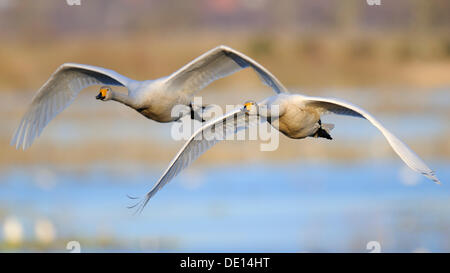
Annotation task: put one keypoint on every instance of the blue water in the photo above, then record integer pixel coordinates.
(262, 207)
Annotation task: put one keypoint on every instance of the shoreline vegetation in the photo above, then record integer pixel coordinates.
(386, 69)
(310, 61)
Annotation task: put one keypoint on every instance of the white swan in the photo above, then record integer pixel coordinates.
(297, 117)
(152, 98)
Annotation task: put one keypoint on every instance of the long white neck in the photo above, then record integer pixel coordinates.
(122, 98)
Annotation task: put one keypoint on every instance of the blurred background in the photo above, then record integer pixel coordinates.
(308, 195)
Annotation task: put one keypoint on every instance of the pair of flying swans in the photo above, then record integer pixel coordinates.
(298, 116)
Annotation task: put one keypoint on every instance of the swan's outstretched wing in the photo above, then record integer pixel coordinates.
(215, 64)
(345, 108)
(203, 139)
(58, 93)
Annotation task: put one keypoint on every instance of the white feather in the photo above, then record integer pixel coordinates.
(403, 151)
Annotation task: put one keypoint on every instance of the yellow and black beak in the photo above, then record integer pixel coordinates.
(247, 106)
(102, 94)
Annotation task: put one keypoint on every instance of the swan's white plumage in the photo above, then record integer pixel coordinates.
(215, 64)
(57, 93)
(341, 107)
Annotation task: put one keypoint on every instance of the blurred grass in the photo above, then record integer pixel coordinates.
(297, 60)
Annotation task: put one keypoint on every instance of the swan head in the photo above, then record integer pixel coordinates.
(104, 94)
(251, 107)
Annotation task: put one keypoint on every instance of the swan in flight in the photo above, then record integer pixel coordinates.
(297, 116)
(152, 98)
